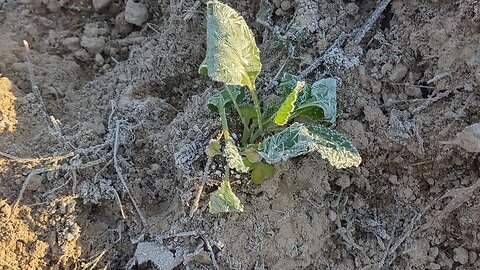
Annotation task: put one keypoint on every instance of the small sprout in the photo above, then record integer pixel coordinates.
(213, 148)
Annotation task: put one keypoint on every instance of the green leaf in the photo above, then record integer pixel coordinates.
(324, 96)
(261, 172)
(252, 156)
(317, 101)
(232, 54)
(213, 148)
(234, 159)
(248, 112)
(283, 114)
(298, 139)
(224, 200)
(223, 99)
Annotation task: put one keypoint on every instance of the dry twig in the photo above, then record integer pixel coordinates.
(118, 170)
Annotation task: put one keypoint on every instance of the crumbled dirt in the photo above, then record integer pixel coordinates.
(103, 99)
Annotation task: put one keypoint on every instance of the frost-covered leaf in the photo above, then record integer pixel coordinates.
(264, 15)
(234, 159)
(232, 54)
(261, 172)
(288, 105)
(317, 101)
(224, 99)
(324, 96)
(468, 139)
(298, 139)
(224, 200)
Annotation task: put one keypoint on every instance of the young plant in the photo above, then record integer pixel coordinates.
(268, 137)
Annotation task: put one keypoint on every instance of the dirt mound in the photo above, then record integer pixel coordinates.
(103, 126)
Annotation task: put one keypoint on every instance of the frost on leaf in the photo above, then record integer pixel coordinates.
(232, 55)
(225, 98)
(317, 101)
(284, 113)
(234, 159)
(224, 200)
(298, 139)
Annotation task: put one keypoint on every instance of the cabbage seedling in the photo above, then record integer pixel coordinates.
(268, 137)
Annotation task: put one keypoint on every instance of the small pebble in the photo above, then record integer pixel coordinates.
(461, 255)
(393, 179)
(35, 182)
(332, 216)
(101, 5)
(280, 12)
(237, 176)
(351, 9)
(286, 5)
(343, 181)
(472, 257)
(93, 45)
(71, 43)
(135, 13)
(99, 59)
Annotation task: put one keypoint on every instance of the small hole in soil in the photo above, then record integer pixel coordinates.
(426, 92)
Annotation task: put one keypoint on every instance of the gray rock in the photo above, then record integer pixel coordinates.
(101, 5)
(82, 55)
(93, 45)
(136, 13)
(99, 59)
(71, 43)
(398, 72)
(461, 255)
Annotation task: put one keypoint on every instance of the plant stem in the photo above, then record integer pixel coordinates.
(256, 104)
(246, 130)
(223, 117)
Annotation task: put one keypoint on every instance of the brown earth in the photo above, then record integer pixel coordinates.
(97, 99)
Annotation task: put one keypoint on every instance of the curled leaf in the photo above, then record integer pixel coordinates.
(317, 101)
(224, 200)
(288, 105)
(298, 139)
(232, 55)
(234, 159)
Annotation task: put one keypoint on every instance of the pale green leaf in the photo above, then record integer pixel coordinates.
(288, 105)
(224, 200)
(213, 148)
(232, 54)
(262, 172)
(299, 139)
(234, 159)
